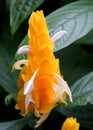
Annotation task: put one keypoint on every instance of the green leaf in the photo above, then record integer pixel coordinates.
(17, 124)
(82, 90)
(20, 10)
(7, 81)
(9, 97)
(88, 39)
(75, 18)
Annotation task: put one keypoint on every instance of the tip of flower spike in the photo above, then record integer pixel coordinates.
(58, 35)
(24, 49)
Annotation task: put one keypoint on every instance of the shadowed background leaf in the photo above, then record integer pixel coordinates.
(7, 80)
(20, 10)
(82, 90)
(18, 124)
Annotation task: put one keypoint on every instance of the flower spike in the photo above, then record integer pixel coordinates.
(40, 83)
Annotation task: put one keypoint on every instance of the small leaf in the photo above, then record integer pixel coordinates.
(20, 10)
(9, 97)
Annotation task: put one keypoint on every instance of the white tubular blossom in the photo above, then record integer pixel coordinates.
(24, 49)
(28, 86)
(63, 86)
(58, 35)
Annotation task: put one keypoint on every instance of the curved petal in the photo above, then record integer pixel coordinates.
(24, 49)
(17, 65)
(58, 35)
(58, 92)
(63, 85)
(28, 99)
(28, 86)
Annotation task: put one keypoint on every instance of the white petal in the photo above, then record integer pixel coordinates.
(58, 35)
(63, 85)
(17, 65)
(24, 49)
(28, 86)
(42, 119)
(58, 92)
(56, 88)
(28, 99)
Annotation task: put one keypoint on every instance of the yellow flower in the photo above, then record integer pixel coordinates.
(70, 124)
(40, 83)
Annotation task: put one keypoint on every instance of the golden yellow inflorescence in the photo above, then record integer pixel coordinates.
(40, 83)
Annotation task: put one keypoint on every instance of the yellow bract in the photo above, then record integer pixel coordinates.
(70, 124)
(42, 57)
(40, 84)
